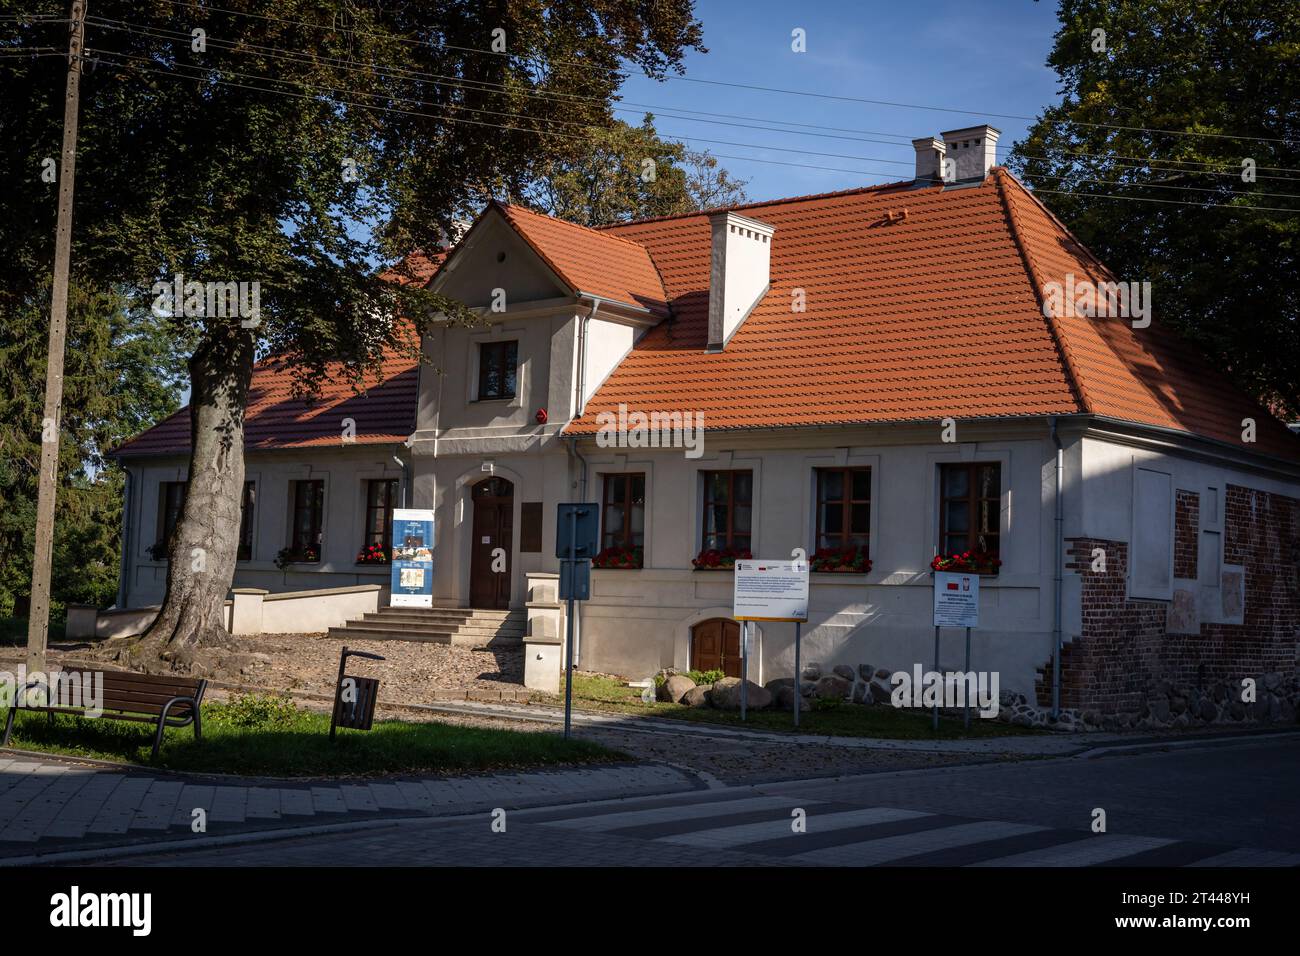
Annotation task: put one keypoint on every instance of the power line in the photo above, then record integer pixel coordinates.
(745, 86)
(175, 76)
(488, 86)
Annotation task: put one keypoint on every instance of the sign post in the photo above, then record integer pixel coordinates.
(956, 604)
(411, 581)
(769, 591)
(575, 546)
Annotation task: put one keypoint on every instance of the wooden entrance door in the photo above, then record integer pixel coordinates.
(493, 528)
(715, 646)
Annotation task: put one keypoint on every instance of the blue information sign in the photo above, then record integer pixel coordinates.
(412, 560)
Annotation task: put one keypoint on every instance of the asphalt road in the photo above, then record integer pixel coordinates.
(1185, 806)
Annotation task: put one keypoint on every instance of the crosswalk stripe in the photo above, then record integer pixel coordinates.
(738, 836)
(874, 852)
(1245, 856)
(616, 821)
(1100, 849)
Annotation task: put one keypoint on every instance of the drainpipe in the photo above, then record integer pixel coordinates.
(1058, 543)
(406, 477)
(122, 570)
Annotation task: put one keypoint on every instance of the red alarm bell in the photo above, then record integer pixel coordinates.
(541, 416)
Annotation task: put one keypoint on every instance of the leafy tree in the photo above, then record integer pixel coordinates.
(256, 151)
(1185, 96)
(628, 172)
(121, 375)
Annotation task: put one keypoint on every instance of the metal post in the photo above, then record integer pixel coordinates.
(38, 620)
(568, 644)
(798, 675)
(744, 667)
(966, 716)
(936, 670)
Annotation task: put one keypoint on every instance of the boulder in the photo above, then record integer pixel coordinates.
(696, 697)
(675, 688)
(812, 671)
(883, 674)
(1207, 710)
(832, 687)
(880, 694)
(726, 694)
(786, 697)
(844, 671)
(776, 684)
(807, 687)
(866, 671)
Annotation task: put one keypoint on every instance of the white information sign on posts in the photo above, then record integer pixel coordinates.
(771, 591)
(956, 599)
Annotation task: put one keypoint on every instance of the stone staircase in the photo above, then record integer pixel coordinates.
(439, 625)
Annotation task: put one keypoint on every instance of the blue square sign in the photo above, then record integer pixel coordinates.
(577, 530)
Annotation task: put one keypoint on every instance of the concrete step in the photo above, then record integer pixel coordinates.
(351, 633)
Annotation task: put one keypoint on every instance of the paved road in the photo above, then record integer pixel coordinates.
(1229, 806)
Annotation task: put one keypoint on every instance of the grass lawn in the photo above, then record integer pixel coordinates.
(272, 737)
(597, 692)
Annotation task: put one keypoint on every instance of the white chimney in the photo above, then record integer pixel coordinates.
(739, 274)
(929, 159)
(972, 151)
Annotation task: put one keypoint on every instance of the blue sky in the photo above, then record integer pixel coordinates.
(986, 56)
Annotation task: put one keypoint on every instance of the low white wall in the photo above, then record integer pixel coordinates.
(306, 612)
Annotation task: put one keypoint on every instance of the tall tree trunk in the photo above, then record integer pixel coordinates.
(204, 548)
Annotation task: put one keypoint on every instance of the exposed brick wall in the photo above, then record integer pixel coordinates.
(1187, 529)
(1125, 649)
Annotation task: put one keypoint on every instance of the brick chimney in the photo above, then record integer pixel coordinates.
(972, 151)
(739, 273)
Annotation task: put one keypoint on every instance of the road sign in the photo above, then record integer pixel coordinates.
(575, 580)
(770, 591)
(956, 599)
(577, 530)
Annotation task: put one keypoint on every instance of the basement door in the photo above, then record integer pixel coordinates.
(715, 646)
(490, 548)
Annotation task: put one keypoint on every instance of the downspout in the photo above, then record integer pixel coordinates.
(1058, 544)
(126, 539)
(406, 476)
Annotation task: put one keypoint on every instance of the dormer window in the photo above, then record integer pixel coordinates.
(498, 370)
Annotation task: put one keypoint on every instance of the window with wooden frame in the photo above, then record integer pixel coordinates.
(498, 370)
(970, 507)
(308, 512)
(246, 505)
(728, 510)
(844, 508)
(623, 513)
(381, 499)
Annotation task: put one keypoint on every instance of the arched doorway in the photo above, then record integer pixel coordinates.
(715, 646)
(493, 528)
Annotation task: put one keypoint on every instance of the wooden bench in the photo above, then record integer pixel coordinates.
(163, 701)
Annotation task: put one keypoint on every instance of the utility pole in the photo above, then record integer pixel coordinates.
(38, 622)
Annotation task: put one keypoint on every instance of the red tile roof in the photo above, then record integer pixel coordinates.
(590, 261)
(933, 315)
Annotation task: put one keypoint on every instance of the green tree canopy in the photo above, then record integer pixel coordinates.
(1185, 95)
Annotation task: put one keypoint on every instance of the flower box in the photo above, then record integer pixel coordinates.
(372, 554)
(618, 558)
(288, 556)
(840, 561)
(714, 559)
(967, 562)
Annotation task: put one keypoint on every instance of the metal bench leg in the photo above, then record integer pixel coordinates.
(198, 720)
(9, 721)
(162, 721)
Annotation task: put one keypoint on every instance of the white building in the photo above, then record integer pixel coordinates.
(875, 370)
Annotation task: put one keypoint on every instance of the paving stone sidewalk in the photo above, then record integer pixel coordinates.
(50, 806)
